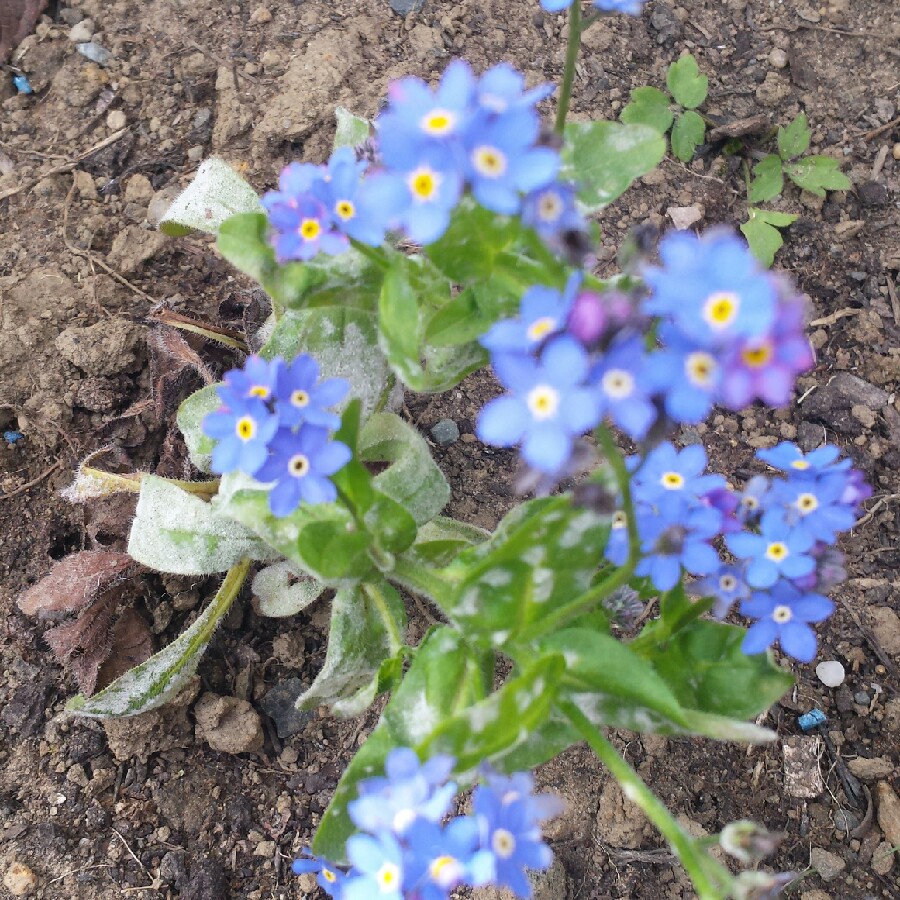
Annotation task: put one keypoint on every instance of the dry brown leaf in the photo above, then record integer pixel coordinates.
(17, 18)
(74, 582)
(131, 644)
(171, 361)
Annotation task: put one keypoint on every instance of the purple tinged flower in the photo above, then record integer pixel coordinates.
(378, 865)
(542, 313)
(727, 585)
(302, 228)
(667, 471)
(766, 367)
(829, 571)
(242, 431)
(409, 792)
(677, 536)
(778, 550)
(328, 876)
(302, 398)
(598, 316)
(856, 490)
(548, 405)
(300, 464)
(727, 502)
(784, 614)
(712, 288)
(622, 387)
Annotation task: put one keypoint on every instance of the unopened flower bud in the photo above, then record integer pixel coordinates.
(748, 842)
(588, 318)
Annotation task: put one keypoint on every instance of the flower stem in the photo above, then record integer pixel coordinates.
(572, 48)
(710, 879)
(375, 254)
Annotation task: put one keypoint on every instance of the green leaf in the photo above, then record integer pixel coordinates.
(687, 135)
(542, 555)
(613, 685)
(344, 343)
(242, 241)
(191, 414)
(763, 236)
(471, 313)
(174, 531)
(704, 666)
(216, 193)
(499, 724)
(604, 158)
(161, 677)
(367, 626)
(648, 106)
(794, 140)
(284, 591)
(685, 82)
(351, 130)
(443, 680)
(468, 249)
(440, 540)
(768, 180)
(817, 174)
(412, 477)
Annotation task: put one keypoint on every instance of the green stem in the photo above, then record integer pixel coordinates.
(386, 393)
(114, 483)
(710, 879)
(572, 48)
(374, 593)
(413, 575)
(375, 254)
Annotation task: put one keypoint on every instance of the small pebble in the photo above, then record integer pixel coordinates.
(95, 53)
(830, 673)
(845, 821)
(861, 697)
(82, 32)
(778, 58)
(260, 16)
(19, 880)
(116, 120)
(896, 150)
(445, 432)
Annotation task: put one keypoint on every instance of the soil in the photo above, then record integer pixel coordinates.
(147, 806)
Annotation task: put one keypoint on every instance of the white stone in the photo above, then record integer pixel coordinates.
(830, 673)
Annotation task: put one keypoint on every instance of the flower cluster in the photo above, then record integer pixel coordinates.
(405, 849)
(629, 7)
(275, 424)
(731, 333)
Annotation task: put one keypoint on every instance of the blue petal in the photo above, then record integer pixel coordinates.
(547, 448)
(502, 422)
(798, 640)
(760, 636)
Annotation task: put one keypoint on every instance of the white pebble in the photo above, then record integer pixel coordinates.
(778, 58)
(116, 120)
(830, 673)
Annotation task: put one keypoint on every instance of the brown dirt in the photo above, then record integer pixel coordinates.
(152, 807)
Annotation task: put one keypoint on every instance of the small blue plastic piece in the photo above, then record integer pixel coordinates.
(22, 85)
(810, 720)
(12, 437)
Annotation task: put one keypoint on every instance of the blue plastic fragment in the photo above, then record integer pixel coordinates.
(810, 720)
(22, 85)
(12, 437)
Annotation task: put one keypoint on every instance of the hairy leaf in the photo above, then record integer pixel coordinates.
(283, 591)
(351, 130)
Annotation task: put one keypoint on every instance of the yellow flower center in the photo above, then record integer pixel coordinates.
(388, 877)
(503, 843)
(299, 398)
(749, 502)
(298, 465)
(245, 428)
(672, 481)
(489, 161)
(259, 390)
(756, 357)
(777, 551)
(309, 229)
(329, 876)
(807, 503)
(543, 401)
(619, 520)
(699, 368)
(445, 870)
(801, 465)
(438, 122)
(782, 614)
(618, 384)
(345, 209)
(721, 309)
(541, 328)
(550, 207)
(423, 184)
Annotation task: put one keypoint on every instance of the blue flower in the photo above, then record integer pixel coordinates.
(727, 585)
(329, 877)
(687, 375)
(256, 379)
(242, 431)
(548, 406)
(622, 387)
(754, 499)
(617, 544)
(551, 211)
(502, 162)
(408, 792)
(502, 89)
(629, 7)
(301, 399)
(302, 226)
(712, 288)
(300, 465)
(667, 471)
(378, 865)
(442, 858)
(542, 313)
(790, 458)
(677, 536)
(555, 5)
(511, 831)
(778, 550)
(349, 201)
(815, 506)
(784, 614)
